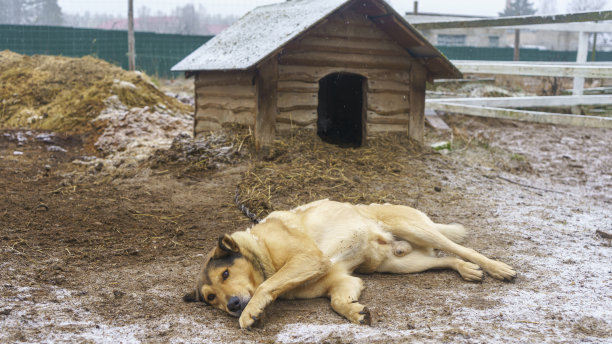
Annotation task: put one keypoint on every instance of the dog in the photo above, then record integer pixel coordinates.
(311, 251)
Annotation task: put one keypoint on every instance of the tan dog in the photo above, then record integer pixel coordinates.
(312, 250)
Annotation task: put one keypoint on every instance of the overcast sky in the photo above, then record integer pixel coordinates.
(240, 7)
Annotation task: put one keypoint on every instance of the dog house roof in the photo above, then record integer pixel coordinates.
(266, 29)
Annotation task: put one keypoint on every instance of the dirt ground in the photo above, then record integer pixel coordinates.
(88, 257)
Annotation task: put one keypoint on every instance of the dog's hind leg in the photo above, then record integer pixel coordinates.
(344, 293)
(420, 260)
(424, 235)
(417, 228)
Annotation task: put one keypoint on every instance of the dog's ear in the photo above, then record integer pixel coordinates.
(191, 297)
(226, 247)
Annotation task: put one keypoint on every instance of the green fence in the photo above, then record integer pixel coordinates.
(155, 53)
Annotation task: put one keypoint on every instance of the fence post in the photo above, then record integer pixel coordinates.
(581, 57)
(517, 44)
(131, 45)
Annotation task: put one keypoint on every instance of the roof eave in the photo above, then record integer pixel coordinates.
(449, 71)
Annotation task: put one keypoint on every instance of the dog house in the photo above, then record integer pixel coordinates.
(347, 69)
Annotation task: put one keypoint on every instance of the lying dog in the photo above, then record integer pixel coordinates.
(312, 250)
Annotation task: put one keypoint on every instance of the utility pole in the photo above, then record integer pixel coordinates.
(517, 44)
(131, 45)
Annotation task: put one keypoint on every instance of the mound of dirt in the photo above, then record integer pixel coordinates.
(64, 94)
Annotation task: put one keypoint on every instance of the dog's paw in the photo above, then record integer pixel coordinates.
(250, 318)
(364, 317)
(358, 314)
(501, 271)
(470, 272)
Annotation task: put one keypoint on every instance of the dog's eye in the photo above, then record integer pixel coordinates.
(225, 274)
(211, 297)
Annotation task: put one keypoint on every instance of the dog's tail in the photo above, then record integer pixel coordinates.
(455, 231)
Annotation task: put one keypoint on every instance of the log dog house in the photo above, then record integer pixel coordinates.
(348, 69)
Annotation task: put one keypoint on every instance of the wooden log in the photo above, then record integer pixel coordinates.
(348, 46)
(267, 110)
(375, 118)
(297, 87)
(363, 49)
(205, 126)
(329, 59)
(298, 117)
(388, 86)
(230, 91)
(225, 103)
(288, 101)
(220, 78)
(418, 77)
(337, 29)
(374, 129)
(342, 42)
(389, 103)
(226, 116)
(313, 74)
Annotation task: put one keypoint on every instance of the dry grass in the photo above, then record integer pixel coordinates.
(302, 168)
(64, 94)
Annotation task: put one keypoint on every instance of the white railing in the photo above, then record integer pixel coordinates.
(495, 107)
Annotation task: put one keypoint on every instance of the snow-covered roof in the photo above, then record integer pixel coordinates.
(265, 29)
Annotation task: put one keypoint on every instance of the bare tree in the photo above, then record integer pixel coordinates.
(586, 5)
(189, 19)
(30, 12)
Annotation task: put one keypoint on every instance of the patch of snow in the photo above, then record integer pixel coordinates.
(309, 333)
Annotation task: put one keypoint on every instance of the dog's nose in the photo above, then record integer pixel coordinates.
(233, 305)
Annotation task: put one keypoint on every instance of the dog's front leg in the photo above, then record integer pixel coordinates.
(299, 269)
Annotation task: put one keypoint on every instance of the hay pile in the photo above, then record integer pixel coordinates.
(63, 94)
(302, 168)
(209, 152)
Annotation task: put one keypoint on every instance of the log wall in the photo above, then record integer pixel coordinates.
(224, 97)
(345, 43)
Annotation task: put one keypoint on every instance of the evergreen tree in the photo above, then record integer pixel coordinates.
(586, 5)
(518, 8)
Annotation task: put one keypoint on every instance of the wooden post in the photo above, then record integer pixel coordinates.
(131, 45)
(517, 44)
(594, 48)
(581, 57)
(416, 122)
(267, 109)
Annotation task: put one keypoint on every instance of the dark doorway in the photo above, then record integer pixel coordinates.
(341, 109)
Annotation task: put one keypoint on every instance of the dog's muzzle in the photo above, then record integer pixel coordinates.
(235, 305)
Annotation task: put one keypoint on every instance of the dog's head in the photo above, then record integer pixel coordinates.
(227, 280)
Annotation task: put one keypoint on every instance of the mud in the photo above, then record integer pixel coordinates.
(87, 256)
